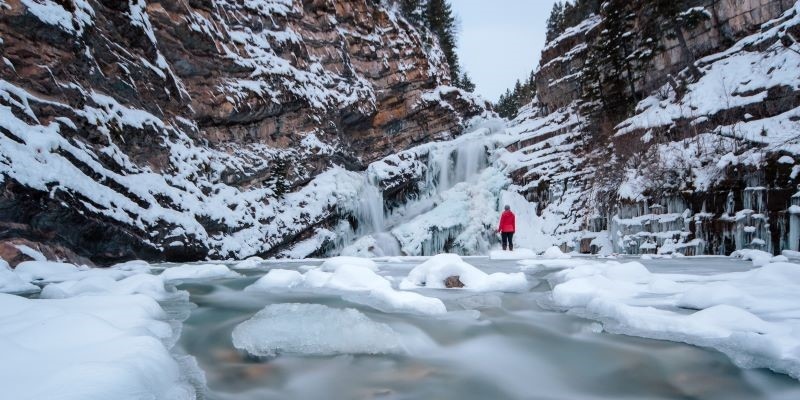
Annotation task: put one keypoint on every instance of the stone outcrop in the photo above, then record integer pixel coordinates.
(164, 129)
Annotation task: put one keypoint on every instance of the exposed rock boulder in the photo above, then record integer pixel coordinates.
(453, 282)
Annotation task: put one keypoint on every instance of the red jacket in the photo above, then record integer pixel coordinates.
(507, 222)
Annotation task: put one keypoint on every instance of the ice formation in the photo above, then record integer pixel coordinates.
(313, 330)
(12, 283)
(434, 272)
(751, 316)
(197, 271)
(357, 282)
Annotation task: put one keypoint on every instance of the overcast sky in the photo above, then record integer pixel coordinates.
(500, 40)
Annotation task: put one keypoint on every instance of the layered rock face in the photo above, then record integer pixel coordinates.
(188, 129)
(703, 164)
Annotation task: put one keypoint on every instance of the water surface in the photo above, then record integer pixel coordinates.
(488, 346)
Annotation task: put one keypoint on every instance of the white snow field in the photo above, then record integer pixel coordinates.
(752, 316)
(82, 348)
(325, 331)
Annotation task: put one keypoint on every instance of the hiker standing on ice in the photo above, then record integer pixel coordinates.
(507, 228)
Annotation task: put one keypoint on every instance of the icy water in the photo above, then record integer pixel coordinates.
(488, 346)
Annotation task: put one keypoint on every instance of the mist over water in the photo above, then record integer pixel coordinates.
(488, 346)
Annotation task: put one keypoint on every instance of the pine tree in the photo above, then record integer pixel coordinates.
(415, 12)
(555, 23)
(466, 83)
(442, 23)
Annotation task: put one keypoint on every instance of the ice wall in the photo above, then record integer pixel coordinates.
(452, 207)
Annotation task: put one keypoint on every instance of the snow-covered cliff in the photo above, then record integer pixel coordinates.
(206, 128)
(703, 164)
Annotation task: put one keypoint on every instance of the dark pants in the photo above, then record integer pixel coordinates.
(508, 240)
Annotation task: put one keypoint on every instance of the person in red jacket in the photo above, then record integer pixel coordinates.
(506, 228)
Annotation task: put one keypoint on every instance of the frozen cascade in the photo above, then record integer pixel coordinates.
(456, 164)
(369, 211)
(387, 243)
(449, 164)
(470, 160)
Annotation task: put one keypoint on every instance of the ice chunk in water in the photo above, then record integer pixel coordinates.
(554, 252)
(313, 329)
(437, 269)
(368, 287)
(332, 264)
(150, 285)
(197, 271)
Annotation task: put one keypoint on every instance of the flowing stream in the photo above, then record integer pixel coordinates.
(488, 346)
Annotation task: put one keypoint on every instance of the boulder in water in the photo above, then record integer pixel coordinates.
(453, 282)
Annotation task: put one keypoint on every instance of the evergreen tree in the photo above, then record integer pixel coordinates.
(466, 83)
(555, 23)
(565, 15)
(415, 12)
(442, 23)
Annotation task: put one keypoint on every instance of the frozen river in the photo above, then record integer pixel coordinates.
(489, 345)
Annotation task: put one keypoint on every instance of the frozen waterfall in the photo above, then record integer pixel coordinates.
(446, 166)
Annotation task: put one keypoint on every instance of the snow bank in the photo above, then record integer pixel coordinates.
(84, 348)
(12, 283)
(517, 254)
(249, 263)
(45, 271)
(751, 316)
(51, 271)
(758, 257)
(437, 269)
(370, 288)
(555, 253)
(278, 279)
(313, 329)
(149, 285)
(197, 271)
(331, 264)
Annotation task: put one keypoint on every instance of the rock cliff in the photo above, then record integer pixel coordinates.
(185, 129)
(704, 163)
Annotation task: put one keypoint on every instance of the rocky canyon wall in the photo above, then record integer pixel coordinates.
(186, 129)
(701, 165)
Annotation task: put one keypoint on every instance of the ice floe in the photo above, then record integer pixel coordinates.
(434, 272)
(150, 285)
(197, 271)
(359, 282)
(313, 330)
(752, 316)
(555, 253)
